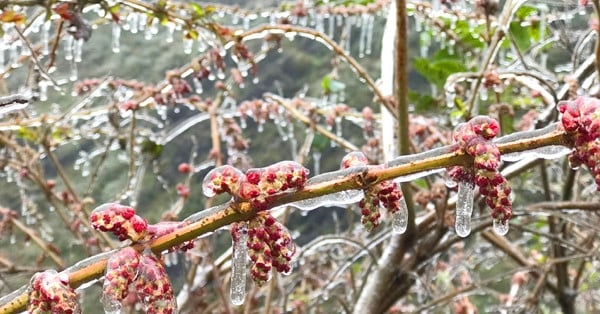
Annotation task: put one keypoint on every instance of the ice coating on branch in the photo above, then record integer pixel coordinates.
(339, 199)
(546, 152)
(49, 291)
(400, 218)
(464, 208)
(239, 236)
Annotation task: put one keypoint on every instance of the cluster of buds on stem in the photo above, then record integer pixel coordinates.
(120, 220)
(270, 246)
(128, 269)
(50, 292)
(386, 194)
(581, 118)
(125, 224)
(258, 184)
(474, 138)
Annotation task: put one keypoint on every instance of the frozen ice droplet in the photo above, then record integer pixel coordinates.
(237, 290)
(464, 208)
(110, 305)
(116, 38)
(501, 226)
(400, 218)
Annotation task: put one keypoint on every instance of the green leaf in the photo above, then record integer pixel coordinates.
(330, 85)
(422, 102)
(437, 72)
(198, 10)
(520, 35)
(525, 11)
(152, 148)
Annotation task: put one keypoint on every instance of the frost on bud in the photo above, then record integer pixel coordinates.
(49, 291)
(262, 183)
(121, 270)
(270, 246)
(153, 287)
(581, 117)
(354, 159)
(120, 220)
(223, 179)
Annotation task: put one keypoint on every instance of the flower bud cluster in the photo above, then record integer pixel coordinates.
(128, 269)
(120, 220)
(474, 138)
(50, 293)
(257, 184)
(261, 183)
(582, 118)
(270, 245)
(153, 286)
(385, 194)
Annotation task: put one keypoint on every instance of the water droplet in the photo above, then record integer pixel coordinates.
(500, 226)
(464, 208)
(400, 218)
(237, 290)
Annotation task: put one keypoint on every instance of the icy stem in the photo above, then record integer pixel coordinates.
(238, 267)
(464, 208)
(400, 218)
(501, 226)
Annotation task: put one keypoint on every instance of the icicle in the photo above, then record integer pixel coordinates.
(500, 227)
(73, 73)
(464, 208)
(483, 94)
(331, 27)
(46, 38)
(400, 218)
(238, 266)
(320, 25)
(187, 46)
(368, 44)
(116, 38)
(202, 46)
(69, 48)
(2, 59)
(317, 161)
(170, 31)
(235, 19)
(418, 23)
(348, 32)
(77, 50)
(132, 20)
(425, 42)
(14, 55)
(197, 85)
(246, 22)
(363, 36)
(43, 86)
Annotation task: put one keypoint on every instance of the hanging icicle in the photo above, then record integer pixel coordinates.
(238, 263)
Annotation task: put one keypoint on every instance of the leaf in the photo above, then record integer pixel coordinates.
(422, 102)
(198, 10)
(330, 85)
(152, 148)
(525, 11)
(520, 35)
(27, 134)
(437, 72)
